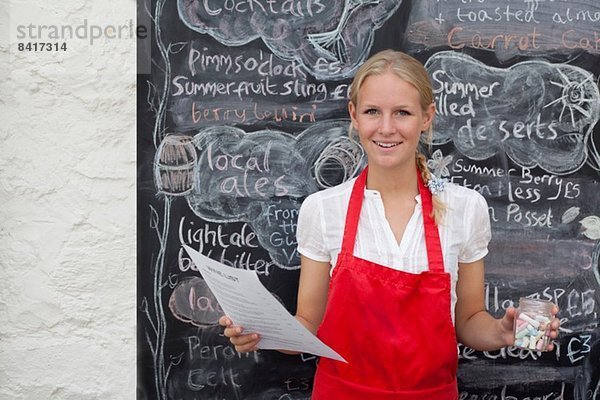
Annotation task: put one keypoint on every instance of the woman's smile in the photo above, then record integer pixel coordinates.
(386, 145)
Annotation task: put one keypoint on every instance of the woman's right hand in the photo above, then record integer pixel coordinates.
(243, 342)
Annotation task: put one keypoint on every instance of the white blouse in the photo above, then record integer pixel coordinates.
(464, 231)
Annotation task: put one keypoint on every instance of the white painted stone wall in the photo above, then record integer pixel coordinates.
(67, 205)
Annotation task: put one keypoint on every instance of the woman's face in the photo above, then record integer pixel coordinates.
(389, 120)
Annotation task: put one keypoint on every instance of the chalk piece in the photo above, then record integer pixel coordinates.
(540, 345)
(527, 318)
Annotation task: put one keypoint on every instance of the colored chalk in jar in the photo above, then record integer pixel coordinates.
(531, 323)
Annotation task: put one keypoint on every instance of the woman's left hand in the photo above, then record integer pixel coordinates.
(508, 320)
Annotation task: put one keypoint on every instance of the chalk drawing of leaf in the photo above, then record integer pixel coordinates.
(176, 360)
(152, 97)
(570, 215)
(175, 48)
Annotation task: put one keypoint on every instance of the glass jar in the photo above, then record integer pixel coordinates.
(532, 324)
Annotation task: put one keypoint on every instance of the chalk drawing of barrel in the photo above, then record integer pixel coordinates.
(174, 165)
(340, 161)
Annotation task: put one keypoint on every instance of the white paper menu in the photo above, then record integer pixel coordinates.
(250, 305)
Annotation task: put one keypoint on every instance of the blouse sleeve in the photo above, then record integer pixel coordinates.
(310, 230)
(478, 231)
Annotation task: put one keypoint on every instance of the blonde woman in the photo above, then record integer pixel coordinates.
(392, 275)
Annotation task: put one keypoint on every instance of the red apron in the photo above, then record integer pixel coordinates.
(394, 328)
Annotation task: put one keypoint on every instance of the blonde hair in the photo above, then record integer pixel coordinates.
(412, 71)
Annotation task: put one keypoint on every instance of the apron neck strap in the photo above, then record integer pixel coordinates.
(432, 237)
(353, 212)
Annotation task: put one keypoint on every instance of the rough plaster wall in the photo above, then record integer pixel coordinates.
(67, 207)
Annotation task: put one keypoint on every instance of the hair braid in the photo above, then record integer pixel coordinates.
(438, 206)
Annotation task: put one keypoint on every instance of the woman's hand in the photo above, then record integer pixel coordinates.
(508, 320)
(243, 342)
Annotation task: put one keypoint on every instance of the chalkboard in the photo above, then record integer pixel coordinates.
(243, 114)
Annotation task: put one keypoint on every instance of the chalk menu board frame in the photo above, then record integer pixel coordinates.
(227, 153)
